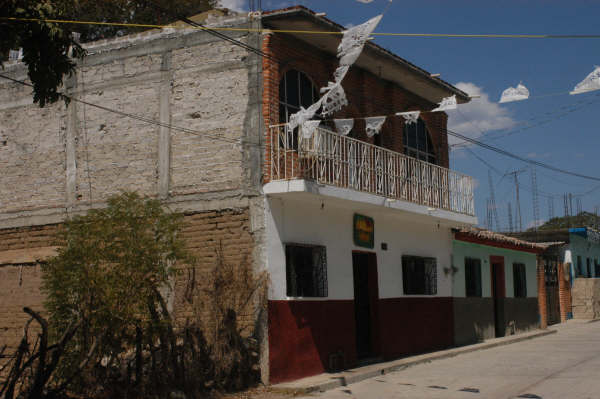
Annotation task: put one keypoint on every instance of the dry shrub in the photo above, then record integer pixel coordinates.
(233, 297)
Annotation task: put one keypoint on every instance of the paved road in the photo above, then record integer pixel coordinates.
(565, 365)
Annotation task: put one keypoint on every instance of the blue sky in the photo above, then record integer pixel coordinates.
(557, 129)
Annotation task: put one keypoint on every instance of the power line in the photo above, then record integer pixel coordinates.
(315, 32)
(518, 157)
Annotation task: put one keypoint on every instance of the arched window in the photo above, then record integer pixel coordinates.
(295, 90)
(417, 142)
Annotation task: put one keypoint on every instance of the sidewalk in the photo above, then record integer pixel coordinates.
(327, 381)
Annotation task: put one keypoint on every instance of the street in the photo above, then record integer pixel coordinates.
(562, 365)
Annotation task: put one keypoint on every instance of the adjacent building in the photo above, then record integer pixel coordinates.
(495, 285)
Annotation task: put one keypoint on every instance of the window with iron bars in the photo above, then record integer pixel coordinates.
(306, 270)
(519, 280)
(419, 275)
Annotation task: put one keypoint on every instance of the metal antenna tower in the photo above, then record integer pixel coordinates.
(566, 204)
(596, 208)
(510, 219)
(550, 208)
(488, 215)
(535, 197)
(570, 204)
(518, 217)
(493, 202)
(579, 207)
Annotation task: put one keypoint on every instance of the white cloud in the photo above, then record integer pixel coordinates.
(235, 5)
(478, 116)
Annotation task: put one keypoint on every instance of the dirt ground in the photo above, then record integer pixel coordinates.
(261, 392)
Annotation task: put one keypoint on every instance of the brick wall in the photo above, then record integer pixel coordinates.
(541, 288)
(564, 293)
(367, 94)
(20, 278)
(206, 233)
(224, 233)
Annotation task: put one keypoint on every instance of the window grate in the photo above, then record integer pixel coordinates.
(419, 275)
(519, 280)
(306, 270)
(473, 277)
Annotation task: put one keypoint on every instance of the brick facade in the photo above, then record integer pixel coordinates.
(226, 231)
(541, 288)
(564, 293)
(367, 94)
(21, 249)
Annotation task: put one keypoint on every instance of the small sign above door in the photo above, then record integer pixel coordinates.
(364, 231)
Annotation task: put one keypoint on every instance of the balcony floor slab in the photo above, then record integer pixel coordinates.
(280, 188)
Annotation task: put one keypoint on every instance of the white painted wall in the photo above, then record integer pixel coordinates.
(309, 219)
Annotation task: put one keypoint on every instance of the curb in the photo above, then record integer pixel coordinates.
(335, 380)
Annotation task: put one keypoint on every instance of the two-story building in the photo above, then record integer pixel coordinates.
(354, 231)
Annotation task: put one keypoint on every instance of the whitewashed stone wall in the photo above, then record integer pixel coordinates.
(586, 298)
(58, 159)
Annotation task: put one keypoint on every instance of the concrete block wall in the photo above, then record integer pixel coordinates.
(586, 298)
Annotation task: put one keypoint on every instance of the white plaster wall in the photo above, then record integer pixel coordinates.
(329, 222)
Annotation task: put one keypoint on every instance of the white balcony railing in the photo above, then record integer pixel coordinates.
(336, 160)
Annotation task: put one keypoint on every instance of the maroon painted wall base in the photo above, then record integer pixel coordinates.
(303, 334)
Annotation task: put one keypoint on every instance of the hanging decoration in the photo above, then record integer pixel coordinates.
(373, 125)
(590, 83)
(447, 103)
(309, 127)
(518, 93)
(334, 98)
(354, 40)
(410, 117)
(303, 115)
(344, 126)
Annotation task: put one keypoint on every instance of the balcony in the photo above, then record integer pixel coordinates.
(328, 158)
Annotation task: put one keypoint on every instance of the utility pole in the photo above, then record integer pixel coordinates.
(518, 216)
(579, 207)
(493, 201)
(488, 214)
(566, 205)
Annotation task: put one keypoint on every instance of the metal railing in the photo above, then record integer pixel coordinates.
(329, 158)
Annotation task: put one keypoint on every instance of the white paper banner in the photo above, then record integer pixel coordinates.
(410, 117)
(590, 83)
(344, 126)
(340, 73)
(334, 98)
(447, 103)
(303, 115)
(373, 125)
(354, 40)
(309, 127)
(518, 93)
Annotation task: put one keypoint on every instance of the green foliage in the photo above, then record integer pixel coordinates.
(584, 219)
(46, 46)
(49, 49)
(108, 273)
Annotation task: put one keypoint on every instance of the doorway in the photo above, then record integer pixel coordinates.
(366, 296)
(498, 293)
